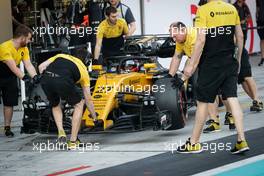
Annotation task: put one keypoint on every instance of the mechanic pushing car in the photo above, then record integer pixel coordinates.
(61, 73)
(110, 35)
(185, 40)
(218, 68)
(12, 52)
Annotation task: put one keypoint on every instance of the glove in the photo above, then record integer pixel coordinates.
(95, 62)
(26, 78)
(36, 79)
(87, 64)
(90, 115)
(97, 122)
(177, 82)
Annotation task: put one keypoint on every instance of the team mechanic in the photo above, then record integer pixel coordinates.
(12, 52)
(245, 76)
(125, 12)
(244, 15)
(185, 40)
(110, 35)
(217, 23)
(248, 84)
(61, 73)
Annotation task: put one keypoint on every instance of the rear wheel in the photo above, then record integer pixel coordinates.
(173, 100)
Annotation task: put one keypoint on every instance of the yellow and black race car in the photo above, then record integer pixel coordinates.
(131, 92)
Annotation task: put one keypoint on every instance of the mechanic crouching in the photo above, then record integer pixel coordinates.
(61, 73)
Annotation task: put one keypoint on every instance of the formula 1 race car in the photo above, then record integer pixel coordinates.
(131, 93)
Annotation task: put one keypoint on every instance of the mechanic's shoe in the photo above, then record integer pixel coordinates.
(232, 125)
(261, 62)
(240, 147)
(73, 145)
(227, 116)
(210, 121)
(62, 138)
(189, 148)
(261, 104)
(8, 132)
(256, 106)
(213, 127)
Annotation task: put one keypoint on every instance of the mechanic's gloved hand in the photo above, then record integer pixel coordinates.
(177, 82)
(97, 122)
(36, 79)
(90, 116)
(26, 78)
(95, 62)
(88, 63)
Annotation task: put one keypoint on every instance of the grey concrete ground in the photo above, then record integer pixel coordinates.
(19, 155)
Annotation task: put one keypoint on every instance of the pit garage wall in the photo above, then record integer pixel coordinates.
(5, 20)
(158, 15)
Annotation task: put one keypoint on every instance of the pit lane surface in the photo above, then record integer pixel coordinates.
(20, 156)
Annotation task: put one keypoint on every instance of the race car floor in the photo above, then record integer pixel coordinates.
(138, 153)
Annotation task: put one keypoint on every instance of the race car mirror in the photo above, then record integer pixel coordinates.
(97, 67)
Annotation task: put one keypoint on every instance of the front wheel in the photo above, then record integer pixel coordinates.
(173, 100)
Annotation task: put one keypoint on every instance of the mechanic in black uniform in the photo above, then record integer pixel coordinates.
(12, 52)
(61, 73)
(217, 23)
(125, 12)
(244, 15)
(260, 24)
(245, 75)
